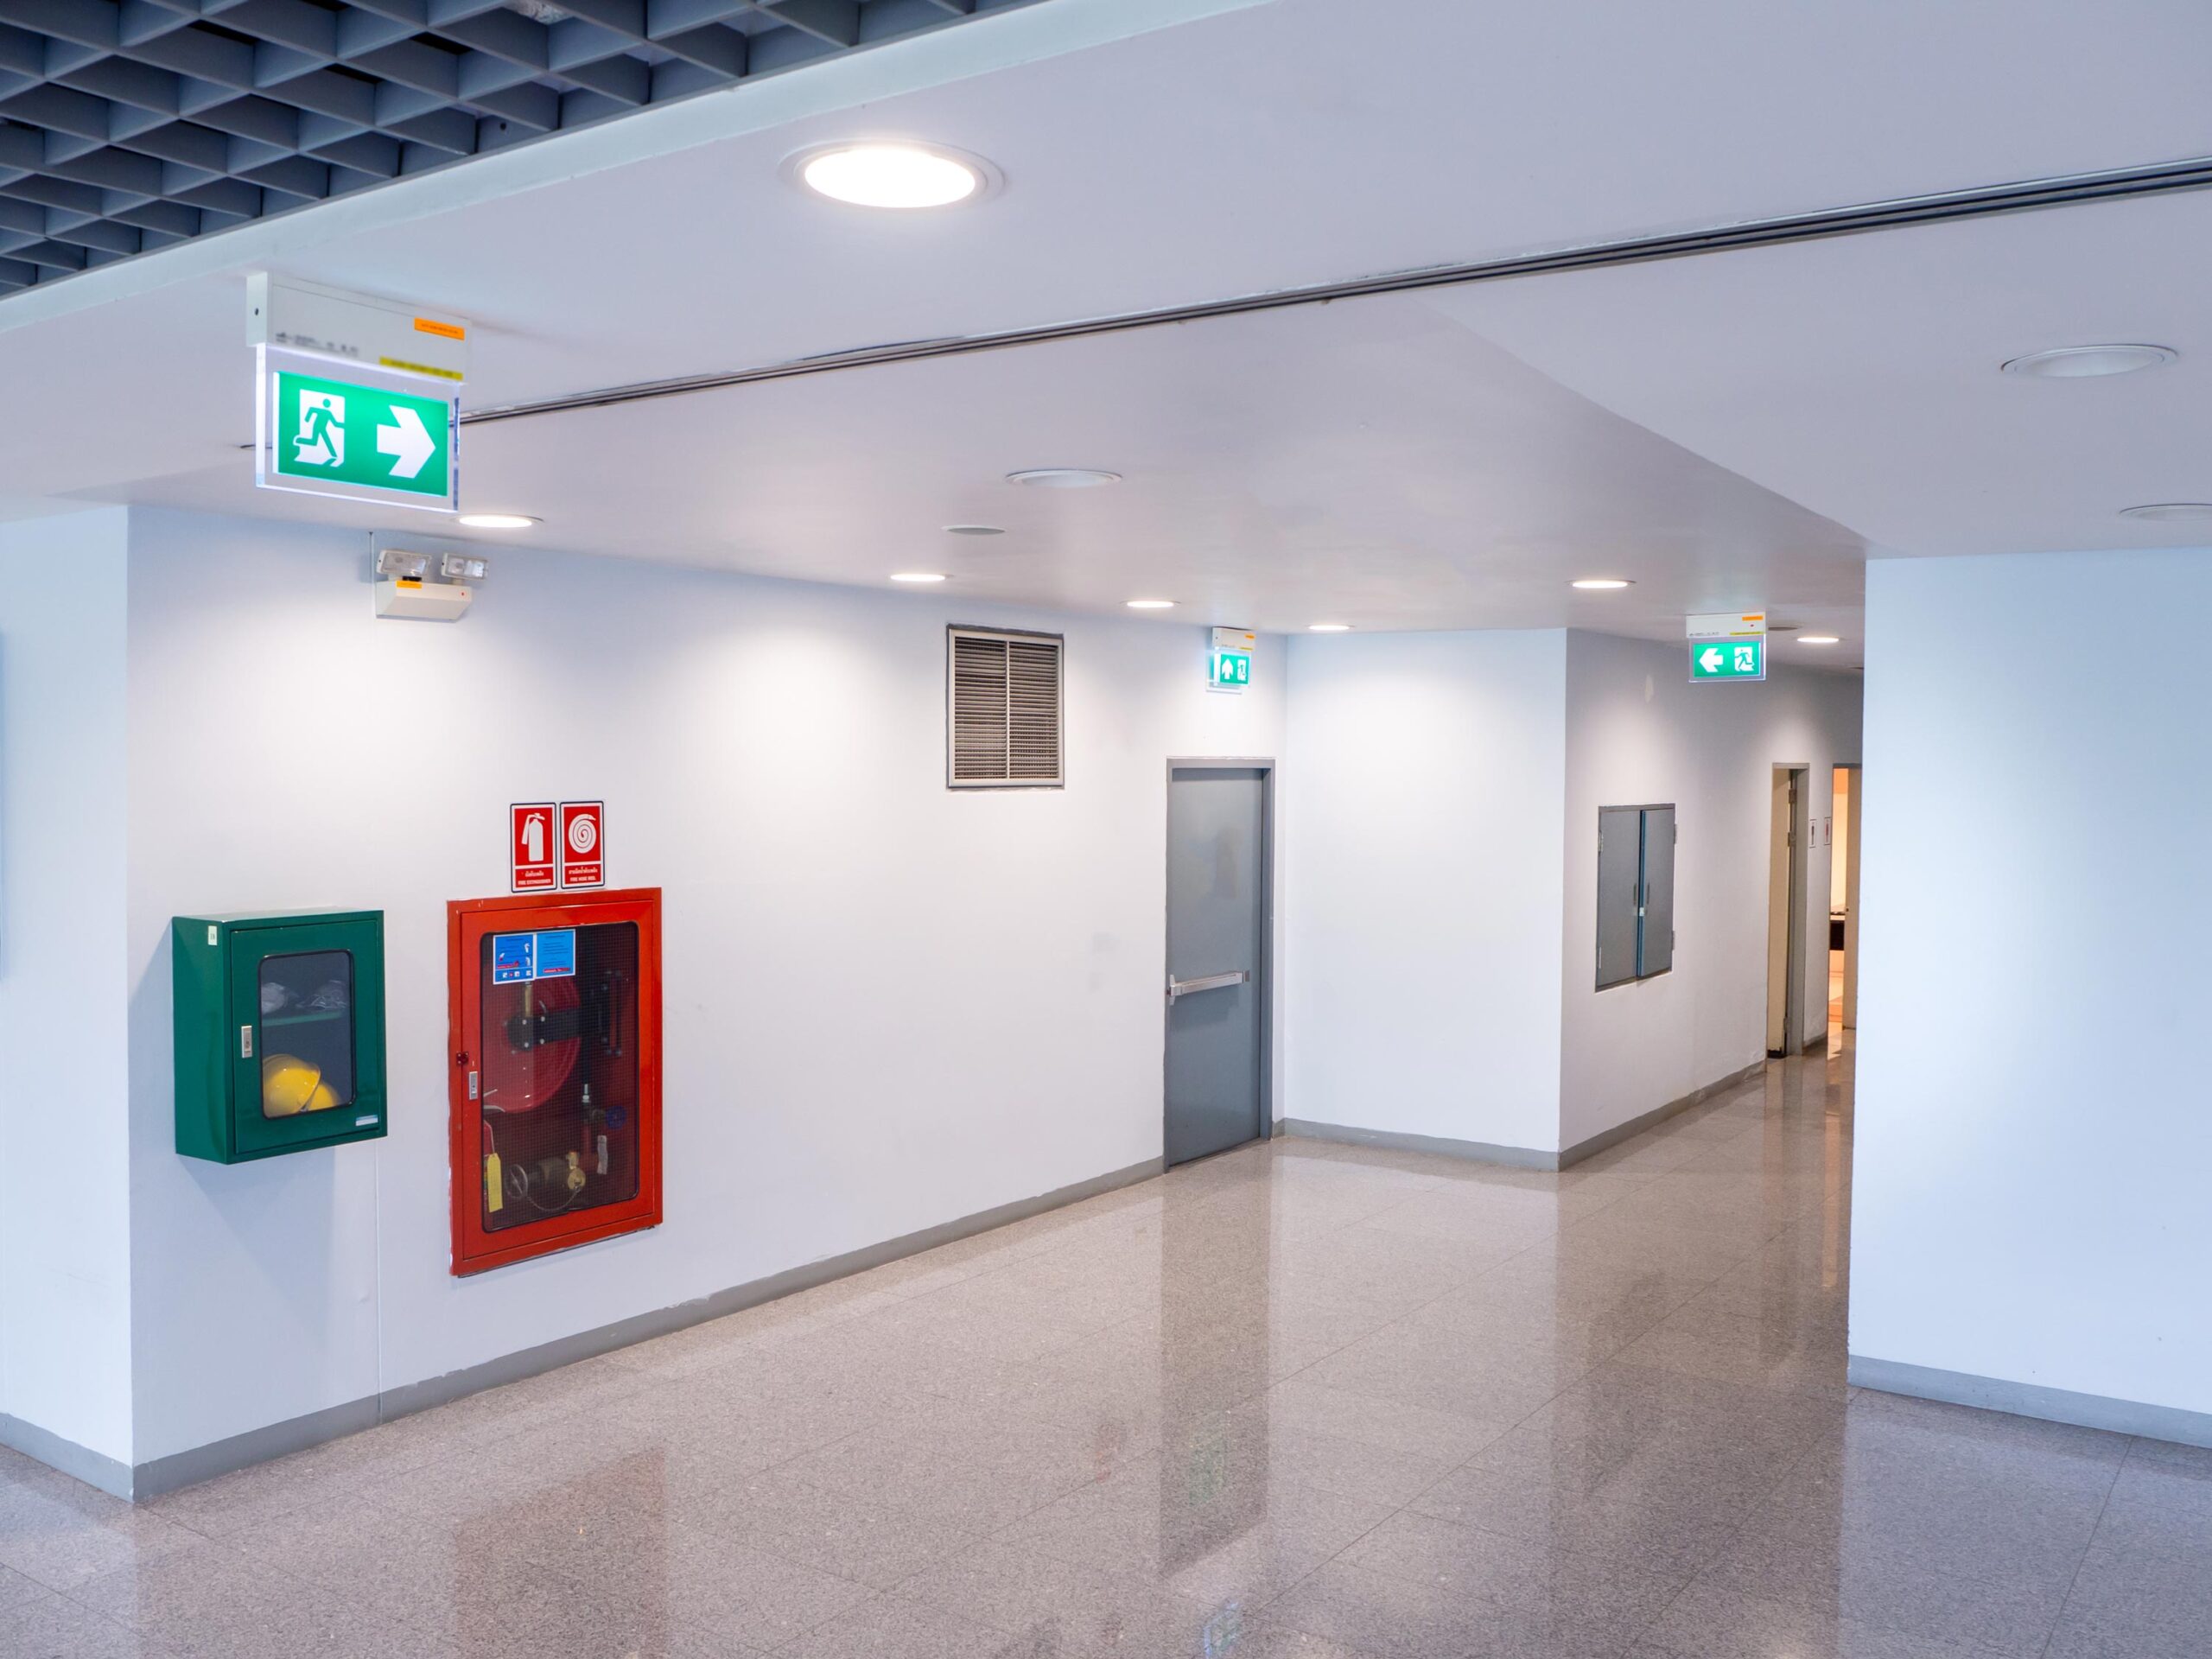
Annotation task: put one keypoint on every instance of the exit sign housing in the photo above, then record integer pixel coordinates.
(1229, 659)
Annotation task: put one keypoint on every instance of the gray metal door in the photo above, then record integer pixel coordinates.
(1217, 957)
(1620, 850)
(1656, 943)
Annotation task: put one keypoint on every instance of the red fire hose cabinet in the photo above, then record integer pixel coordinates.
(556, 1079)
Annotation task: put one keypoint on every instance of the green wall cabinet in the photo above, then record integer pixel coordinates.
(279, 1031)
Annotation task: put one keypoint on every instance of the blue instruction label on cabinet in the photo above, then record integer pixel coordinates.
(514, 957)
(557, 954)
(517, 957)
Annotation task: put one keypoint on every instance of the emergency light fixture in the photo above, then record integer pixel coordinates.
(406, 589)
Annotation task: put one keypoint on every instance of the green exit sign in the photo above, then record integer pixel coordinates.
(1228, 660)
(1728, 659)
(1727, 645)
(327, 436)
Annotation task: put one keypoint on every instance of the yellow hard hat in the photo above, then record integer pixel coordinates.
(290, 1084)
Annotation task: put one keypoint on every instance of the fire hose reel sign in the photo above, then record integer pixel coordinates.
(583, 843)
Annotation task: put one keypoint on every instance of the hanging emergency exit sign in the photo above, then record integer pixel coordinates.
(353, 438)
(1727, 645)
(1229, 659)
(355, 396)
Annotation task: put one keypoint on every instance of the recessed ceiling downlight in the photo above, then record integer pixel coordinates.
(2166, 512)
(2084, 362)
(974, 529)
(898, 175)
(496, 520)
(1151, 604)
(1064, 478)
(1818, 639)
(918, 576)
(1328, 627)
(1602, 584)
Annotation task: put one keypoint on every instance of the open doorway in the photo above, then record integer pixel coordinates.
(1785, 913)
(1843, 905)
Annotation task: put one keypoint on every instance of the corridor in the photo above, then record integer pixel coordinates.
(1301, 1399)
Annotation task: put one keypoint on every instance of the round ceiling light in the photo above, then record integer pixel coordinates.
(2083, 362)
(2166, 512)
(1151, 604)
(974, 529)
(1328, 627)
(1818, 639)
(1064, 478)
(496, 520)
(918, 576)
(895, 174)
(1602, 584)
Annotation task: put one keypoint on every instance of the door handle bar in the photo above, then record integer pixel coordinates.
(1180, 987)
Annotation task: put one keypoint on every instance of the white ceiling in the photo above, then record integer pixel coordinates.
(1371, 462)
(1382, 460)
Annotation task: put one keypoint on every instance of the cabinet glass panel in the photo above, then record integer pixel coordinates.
(306, 1031)
(558, 1071)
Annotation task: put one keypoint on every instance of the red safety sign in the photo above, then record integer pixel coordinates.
(583, 843)
(531, 847)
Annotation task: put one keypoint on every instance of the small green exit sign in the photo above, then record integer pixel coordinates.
(1729, 659)
(1229, 659)
(1727, 645)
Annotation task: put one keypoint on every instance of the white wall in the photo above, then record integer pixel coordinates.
(1637, 731)
(888, 1005)
(1421, 837)
(2033, 1134)
(64, 1264)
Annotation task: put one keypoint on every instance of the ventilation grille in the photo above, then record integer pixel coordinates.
(1003, 709)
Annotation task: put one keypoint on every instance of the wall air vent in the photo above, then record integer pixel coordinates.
(1002, 709)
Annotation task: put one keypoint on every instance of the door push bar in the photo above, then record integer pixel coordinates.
(1212, 982)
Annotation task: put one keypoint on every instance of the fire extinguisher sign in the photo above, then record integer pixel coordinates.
(583, 843)
(534, 854)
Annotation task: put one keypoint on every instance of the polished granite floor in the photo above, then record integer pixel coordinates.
(1299, 1400)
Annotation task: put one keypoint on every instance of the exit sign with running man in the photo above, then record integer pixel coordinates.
(327, 436)
(1727, 645)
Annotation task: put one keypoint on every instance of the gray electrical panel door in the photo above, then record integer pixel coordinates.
(1217, 968)
(1620, 856)
(1656, 951)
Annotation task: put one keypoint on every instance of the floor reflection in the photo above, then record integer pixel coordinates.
(1300, 1399)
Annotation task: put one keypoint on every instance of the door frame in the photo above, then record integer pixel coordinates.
(1858, 770)
(1798, 774)
(1265, 766)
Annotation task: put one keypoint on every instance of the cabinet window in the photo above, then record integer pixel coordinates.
(306, 1037)
(559, 1050)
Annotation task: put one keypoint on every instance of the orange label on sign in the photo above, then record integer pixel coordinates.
(443, 330)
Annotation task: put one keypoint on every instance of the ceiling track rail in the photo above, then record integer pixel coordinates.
(2162, 180)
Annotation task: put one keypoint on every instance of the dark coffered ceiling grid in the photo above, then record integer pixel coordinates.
(126, 125)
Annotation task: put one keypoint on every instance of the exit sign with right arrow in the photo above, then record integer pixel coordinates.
(340, 432)
(1727, 645)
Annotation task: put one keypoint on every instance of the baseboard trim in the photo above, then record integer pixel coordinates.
(187, 1468)
(1480, 1151)
(1483, 1152)
(111, 1475)
(2032, 1400)
(1598, 1142)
